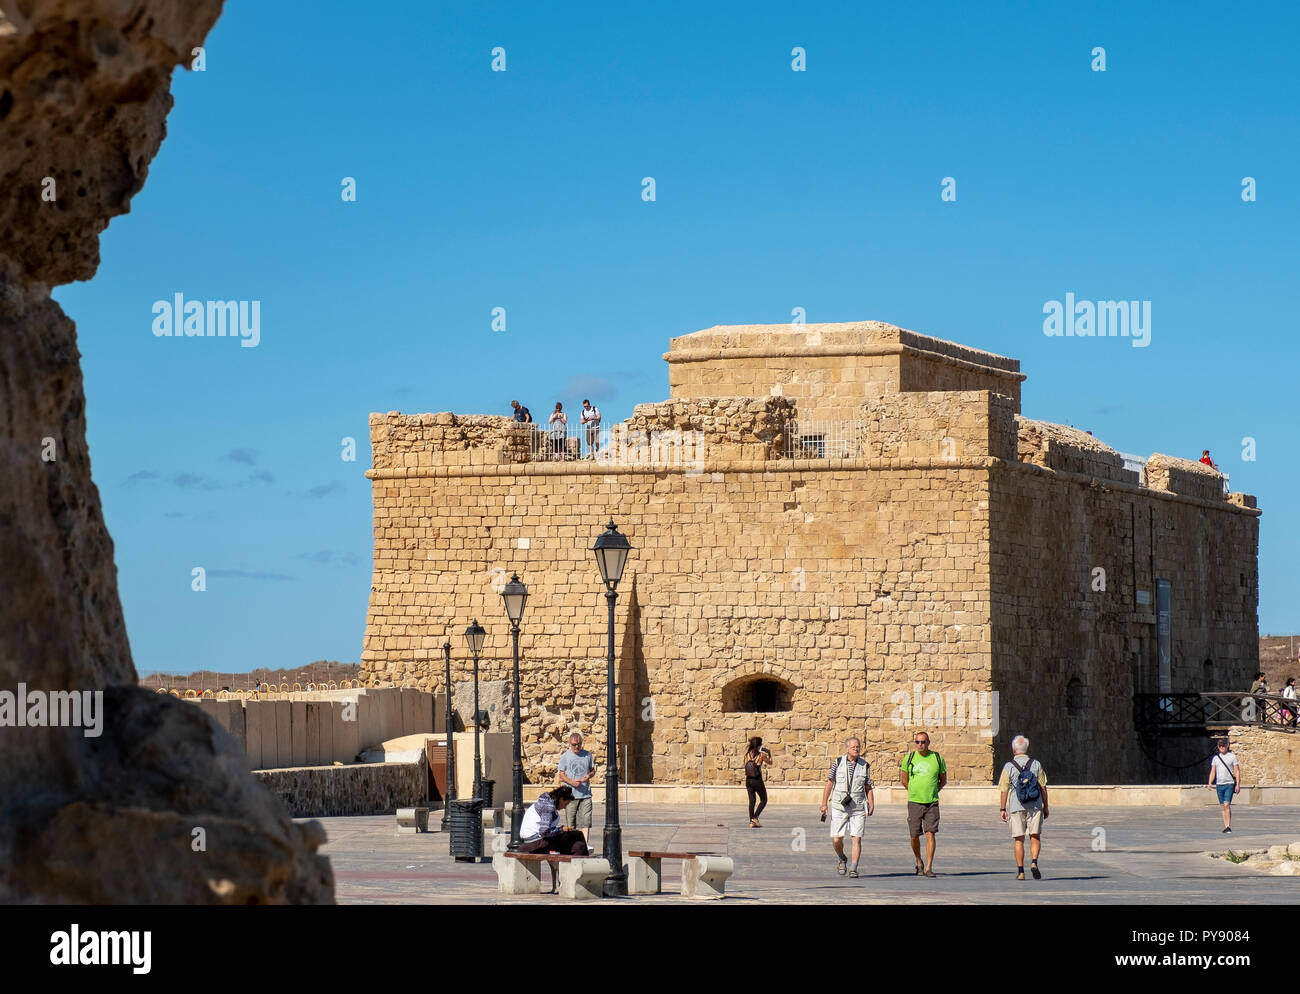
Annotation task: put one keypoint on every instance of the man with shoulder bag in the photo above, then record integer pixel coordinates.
(849, 784)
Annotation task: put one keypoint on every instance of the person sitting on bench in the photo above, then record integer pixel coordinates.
(541, 831)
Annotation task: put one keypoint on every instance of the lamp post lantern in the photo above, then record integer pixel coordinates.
(611, 551)
(451, 774)
(515, 596)
(474, 636)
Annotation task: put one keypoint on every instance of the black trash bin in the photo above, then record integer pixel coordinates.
(486, 792)
(466, 819)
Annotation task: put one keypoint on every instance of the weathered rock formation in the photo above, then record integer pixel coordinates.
(84, 95)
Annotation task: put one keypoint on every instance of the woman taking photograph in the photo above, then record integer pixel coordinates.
(559, 428)
(756, 757)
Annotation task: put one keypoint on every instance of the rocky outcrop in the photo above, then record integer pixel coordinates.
(83, 103)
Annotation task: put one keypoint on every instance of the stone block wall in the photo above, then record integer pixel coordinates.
(1184, 476)
(364, 789)
(1269, 758)
(1050, 532)
(940, 577)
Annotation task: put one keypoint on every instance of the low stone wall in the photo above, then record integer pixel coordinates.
(1070, 450)
(1183, 476)
(362, 789)
(1268, 758)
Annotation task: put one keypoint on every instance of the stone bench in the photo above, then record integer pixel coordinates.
(581, 877)
(702, 876)
(412, 820)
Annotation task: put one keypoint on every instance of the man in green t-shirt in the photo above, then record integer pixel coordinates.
(924, 774)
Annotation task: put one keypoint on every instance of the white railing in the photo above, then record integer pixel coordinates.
(1135, 464)
(823, 439)
(566, 444)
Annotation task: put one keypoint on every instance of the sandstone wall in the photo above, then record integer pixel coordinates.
(846, 582)
(830, 370)
(1050, 531)
(1268, 758)
(920, 575)
(364, 789)
(84, 99)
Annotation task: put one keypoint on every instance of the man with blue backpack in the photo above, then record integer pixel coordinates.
(1024, 803)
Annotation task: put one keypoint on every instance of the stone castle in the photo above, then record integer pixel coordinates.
(838, 529)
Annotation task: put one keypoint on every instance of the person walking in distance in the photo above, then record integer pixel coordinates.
(849, 784)
(1225, 779)
(1024, 804)
(924, 774)
(756, 757)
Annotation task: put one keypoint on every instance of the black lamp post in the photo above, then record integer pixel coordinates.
(515, 595)
(474, 635)
(611, 551)
(451, 774)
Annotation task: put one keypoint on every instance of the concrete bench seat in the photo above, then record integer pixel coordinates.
(581, 877)
(412, 820)
(703, 876)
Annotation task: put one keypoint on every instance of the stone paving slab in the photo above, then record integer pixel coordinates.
(1150, 856)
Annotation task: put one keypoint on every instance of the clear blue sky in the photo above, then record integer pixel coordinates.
(775, 189)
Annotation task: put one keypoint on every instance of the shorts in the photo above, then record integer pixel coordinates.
(1225, 792)
(922, 818)
(577, 813)
(853, 819)
(1028, 821)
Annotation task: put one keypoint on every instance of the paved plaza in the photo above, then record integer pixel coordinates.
(1151, 855)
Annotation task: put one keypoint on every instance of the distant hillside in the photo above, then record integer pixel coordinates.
(319, 672)
(1277, 658)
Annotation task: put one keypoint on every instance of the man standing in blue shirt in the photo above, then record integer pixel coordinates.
(576, 768)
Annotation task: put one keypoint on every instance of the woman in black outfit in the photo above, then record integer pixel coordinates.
(755, 758)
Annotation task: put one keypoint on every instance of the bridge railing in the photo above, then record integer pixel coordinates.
(1173, 712)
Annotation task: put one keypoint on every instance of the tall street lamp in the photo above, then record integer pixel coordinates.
(611, 551)
(451, 774)
(515, 595)
(474, 635)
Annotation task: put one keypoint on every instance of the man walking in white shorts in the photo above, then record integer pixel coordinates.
(849, 796)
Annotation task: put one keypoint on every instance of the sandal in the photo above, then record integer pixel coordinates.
(929, 873)
(1033, 868)
(1020, 873)
(842, 867)
(919, 869)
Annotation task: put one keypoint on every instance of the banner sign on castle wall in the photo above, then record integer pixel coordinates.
(1163, 598)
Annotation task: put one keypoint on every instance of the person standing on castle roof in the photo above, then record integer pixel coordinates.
(558, 425)
(522, 414)
(591, 420)
(1205, 458)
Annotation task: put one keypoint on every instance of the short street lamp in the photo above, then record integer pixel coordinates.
(611, 551)
(515, 595)
(474, 636)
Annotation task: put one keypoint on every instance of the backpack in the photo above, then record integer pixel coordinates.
(751, 768)
(913, 753)
(1025, 781)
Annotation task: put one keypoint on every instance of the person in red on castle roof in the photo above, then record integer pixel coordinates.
(1205, 458)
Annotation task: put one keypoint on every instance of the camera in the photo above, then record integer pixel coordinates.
(848, 801)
